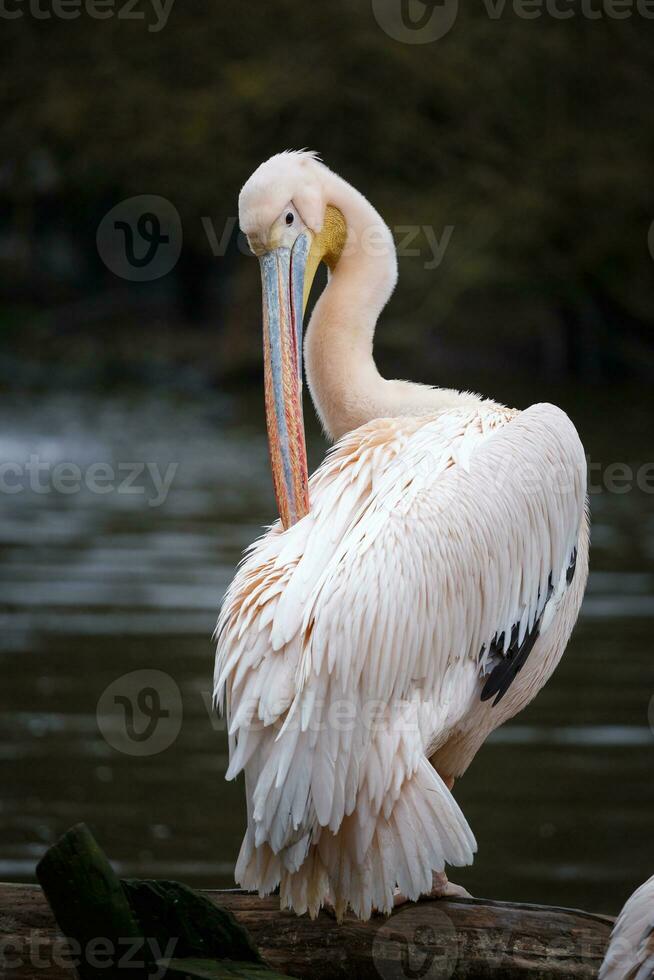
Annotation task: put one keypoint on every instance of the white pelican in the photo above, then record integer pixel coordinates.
(418, 591)
(630, 955)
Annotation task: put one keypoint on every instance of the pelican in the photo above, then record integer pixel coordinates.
(416, 592)
(630, 955)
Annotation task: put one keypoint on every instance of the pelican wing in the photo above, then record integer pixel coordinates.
(466, 542)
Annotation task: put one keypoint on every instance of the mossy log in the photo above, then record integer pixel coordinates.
(139, 929)
(434, 939)
(228, 934)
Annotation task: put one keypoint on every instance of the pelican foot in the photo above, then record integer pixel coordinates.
(442, 887)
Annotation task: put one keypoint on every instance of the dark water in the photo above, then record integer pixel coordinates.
(96, 585)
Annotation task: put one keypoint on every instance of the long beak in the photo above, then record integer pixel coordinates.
(282, 276)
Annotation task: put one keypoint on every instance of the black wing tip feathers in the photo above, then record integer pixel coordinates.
(509, 664)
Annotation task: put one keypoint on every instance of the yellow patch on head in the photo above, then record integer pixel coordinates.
(326, 246)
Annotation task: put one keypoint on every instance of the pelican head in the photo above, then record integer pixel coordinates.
(291, 227)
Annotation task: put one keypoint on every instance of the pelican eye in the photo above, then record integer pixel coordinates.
(289, 218)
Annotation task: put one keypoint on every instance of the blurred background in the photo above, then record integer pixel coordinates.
(510, 149)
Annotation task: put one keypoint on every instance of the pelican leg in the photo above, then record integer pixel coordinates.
(442, 887)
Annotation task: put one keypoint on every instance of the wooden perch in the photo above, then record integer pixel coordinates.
(139, 929)
(457, 938)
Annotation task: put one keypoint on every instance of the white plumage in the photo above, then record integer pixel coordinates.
(426, 539)
(630, 955)
(366, 651)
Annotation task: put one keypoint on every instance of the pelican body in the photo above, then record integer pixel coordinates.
(416, 592)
